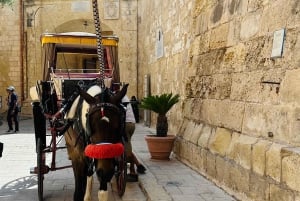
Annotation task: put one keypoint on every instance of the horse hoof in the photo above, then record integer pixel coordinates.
(102, 195)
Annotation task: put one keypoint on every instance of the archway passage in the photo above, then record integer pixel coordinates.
(82, 25)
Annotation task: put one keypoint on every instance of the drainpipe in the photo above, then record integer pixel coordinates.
(21, 11)
(137, 49)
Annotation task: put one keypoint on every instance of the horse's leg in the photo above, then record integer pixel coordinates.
(102, 195)
(80, 174)
(104, 177)
(89, 186)
(79, 165)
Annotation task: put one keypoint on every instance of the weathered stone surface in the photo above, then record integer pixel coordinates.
(201, 162)
(283, 10)
(278, 194)
(259, 150)
(189, 131)
(239, 179)
(259, 188)
(290, 169)
(223, 113)
(273, 162)
(240, 150)
(211, 165)
(290, 89)
(250, 26)
(218, 38)
(222, 170)
(196, 133)
(220, 141)
(260, 120)
(205, 135)
(201, 23)
(234, 60)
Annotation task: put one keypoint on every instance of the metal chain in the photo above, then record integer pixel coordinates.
(99, 41)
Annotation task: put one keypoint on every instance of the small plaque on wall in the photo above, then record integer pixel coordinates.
(278, 41)
(111, 9)
(80, 6)
(159, 43)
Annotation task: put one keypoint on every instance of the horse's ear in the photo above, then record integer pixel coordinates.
(87, 97)
(118, 97)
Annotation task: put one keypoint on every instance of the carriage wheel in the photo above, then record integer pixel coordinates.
(121, 175)
(40, 167)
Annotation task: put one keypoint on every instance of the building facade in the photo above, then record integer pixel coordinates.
(235, 64)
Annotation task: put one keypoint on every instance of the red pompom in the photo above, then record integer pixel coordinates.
(105, 150)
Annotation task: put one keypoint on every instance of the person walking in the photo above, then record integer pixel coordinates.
(12, 113)
(129, 130)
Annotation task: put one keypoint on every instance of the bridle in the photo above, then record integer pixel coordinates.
(102, 108)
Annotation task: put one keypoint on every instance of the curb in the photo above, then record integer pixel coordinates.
(151, 188)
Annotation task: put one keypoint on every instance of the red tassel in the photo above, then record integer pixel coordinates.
(102, 151)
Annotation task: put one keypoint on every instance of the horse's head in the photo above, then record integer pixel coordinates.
(104, 121)
(99, 114)
(104, 117)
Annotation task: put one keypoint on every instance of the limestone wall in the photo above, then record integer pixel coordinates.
(10, 53)
(238, 119)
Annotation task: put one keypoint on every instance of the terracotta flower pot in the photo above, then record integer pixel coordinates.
(160, 148)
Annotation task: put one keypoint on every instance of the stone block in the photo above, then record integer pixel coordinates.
(194, 151)
(250, 26)
(240, 150)
(187, 110)
(290, 168)
(277, 193)
(246, 86)
(196, 133)
(189, 130)
(220, 86)
(259, 150)
(239, 179)
(273, 162)
(233, 33)
(201, 23)
(223, 113)
(220, 141)
(259, 120)
(234, 60)
(290, 89)
(210, 62)
(279, 12)
(200, 44)
(201, 162)
(222, 169)
(205, 135)
(211, 165)
(183, 128)
(184, 151)
(259, 188)
(219, 35)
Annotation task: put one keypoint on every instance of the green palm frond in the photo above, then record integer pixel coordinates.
(7, 2)
(159, 104)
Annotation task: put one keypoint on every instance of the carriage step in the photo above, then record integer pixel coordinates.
(34, 170)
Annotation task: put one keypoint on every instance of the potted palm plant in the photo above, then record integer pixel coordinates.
(161, 144)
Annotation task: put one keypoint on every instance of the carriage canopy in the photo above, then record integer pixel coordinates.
(73, 54)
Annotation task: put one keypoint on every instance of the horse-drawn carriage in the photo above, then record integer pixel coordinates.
(74, 102)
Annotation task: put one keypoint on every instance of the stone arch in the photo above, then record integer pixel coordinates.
(81, 25)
